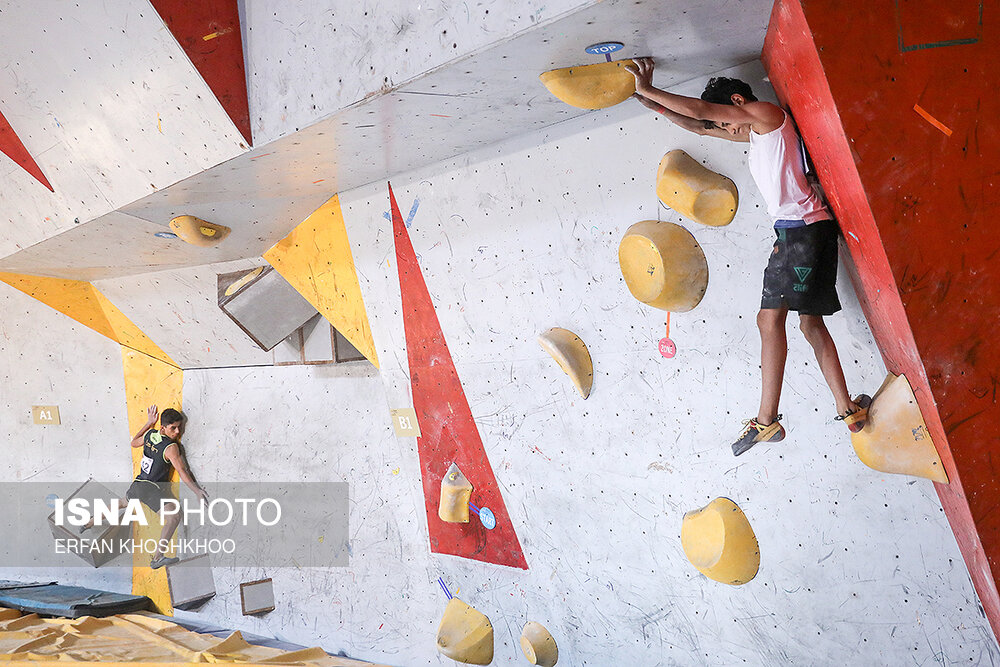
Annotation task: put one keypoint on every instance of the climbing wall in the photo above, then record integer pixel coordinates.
(510, 241)
(50, 359)
(915, 196)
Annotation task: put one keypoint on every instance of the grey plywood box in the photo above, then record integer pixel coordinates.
(191, 582)
(266, 307)
(109, 536)
(257, 597)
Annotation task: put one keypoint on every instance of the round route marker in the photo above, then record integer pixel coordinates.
(667, 348)
(487, 518)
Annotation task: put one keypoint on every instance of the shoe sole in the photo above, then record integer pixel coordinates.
(773, 433)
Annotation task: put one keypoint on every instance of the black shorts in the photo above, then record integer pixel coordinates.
(150, 494)
(802, 271)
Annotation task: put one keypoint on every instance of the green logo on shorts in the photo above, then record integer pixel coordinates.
(802, 272)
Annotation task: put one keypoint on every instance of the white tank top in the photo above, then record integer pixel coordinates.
(777, 164)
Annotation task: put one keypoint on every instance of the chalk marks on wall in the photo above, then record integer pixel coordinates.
(448, 431)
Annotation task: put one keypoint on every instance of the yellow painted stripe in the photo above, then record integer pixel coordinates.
(316, 260)
(149, 381)
(81, 301)
(73, 298)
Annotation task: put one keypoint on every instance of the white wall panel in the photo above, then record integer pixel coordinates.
(179, 310)
(49, 359)
(857, 567)
(108, 104)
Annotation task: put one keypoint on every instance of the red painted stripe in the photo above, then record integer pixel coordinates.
(448, 431)
(12, 147)
(209, 33)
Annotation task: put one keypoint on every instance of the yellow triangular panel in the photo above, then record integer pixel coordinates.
(149, 381)
(129, 334)
(73, 298)
(316, 260)
(81, 301)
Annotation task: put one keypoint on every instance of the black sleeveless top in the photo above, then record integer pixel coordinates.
(153, 467)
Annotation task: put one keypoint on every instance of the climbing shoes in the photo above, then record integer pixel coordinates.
(754, 432)
(856, 419)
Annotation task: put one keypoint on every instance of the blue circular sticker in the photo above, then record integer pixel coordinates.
(51, 499)
(486, 516)
(604, 48)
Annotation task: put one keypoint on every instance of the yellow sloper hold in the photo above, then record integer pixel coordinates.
(197, 231)
(149, 381)
(538, 645)
(456, 491)
(316, 260)
(698, 193)
(82, 302)
(663, 265)
(591, 86)
(895, 439)
(720, 543)
(465, 634)
(571, 353)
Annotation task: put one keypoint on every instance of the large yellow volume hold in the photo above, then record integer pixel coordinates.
(571, 353)
(538, 645)
(456, 491)
(695, 192)
(720, 543)
(197, 231)
(591, 86)
(465, 634)
(895, 438)
(663, 265)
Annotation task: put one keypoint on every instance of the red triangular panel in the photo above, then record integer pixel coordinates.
(209, 33)
(12, 147)
(448, 432)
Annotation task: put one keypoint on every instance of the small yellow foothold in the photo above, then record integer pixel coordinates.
(321, 539)
(465, 634)
(456, 491)
(197, 231)
(572, 355)
(720, 543)
(395, 471)
(538, 645)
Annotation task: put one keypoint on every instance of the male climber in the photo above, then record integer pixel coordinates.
(801, 273)
(160, 453)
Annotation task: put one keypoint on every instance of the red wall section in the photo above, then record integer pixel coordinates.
(209, 32)
(914, 190)
(11, 146)
(448, 430)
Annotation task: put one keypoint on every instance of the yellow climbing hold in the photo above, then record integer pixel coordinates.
(538, 645)
(591, 86)
(571, 353)
(695, 192)
(663, 265)
(197, 231)
(465, 634)
(456, 491)
(720, 543)
(895, 439)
